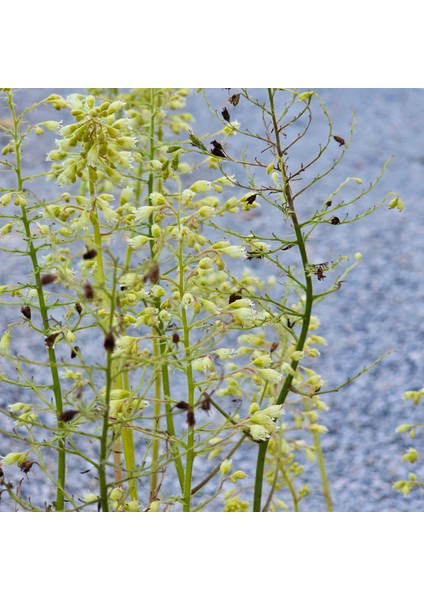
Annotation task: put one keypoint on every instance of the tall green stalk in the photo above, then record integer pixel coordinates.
(288, 197)
(32, 251)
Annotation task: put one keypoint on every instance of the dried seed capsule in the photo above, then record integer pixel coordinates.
(175, 338)
(88, 290)
(89, 254)
(234, 99)
(47, 278)
(225, 114)
(50, 339)
(78, 308)
(191, 421)
(26, 311)
(206, 402)
(335, 221)
(182, 405)
(339, 140)
(109, 343)
(68, 415)
(250, 199)
(235, 296)
(74, 351)
(153, 274)
(274, 346)
(26, 465)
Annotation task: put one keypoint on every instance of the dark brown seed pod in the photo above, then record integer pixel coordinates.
(206, 402)
(50, 339)
(234, 99)
(320, 273)
(254, 254)
(217, 149)
(216, 145)
(182, 405)
(26, 465)
(153, 274)
(339, 140)
(328, 203)
(109, 343)
(274, 347)
(26, 311)
(235, 296)
(89, 254)
(47, 278)
(68, 415)
(78, 308)
(191, 421)
(175, 338)
(335, 221)
(225, 115)
(251, 199)
(88, 290)
(74, 351)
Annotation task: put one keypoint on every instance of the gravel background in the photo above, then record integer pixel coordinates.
(380, 308)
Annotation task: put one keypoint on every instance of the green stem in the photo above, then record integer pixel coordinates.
(61, 457)
(104, 437)
(321, 463)
(190, 400)
(308, 301)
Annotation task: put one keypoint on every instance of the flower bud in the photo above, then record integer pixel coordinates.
(90, 498)
(201, 186)
(225, 466)
(14, 457)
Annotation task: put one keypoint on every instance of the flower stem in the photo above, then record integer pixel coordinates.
(61, 456)
(308, 298)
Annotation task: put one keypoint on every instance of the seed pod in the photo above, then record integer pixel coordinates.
(89, 254)
(68, 415)
(225, 114)
(274, 347)
(235, 296)
(206, 402)
(251, 199)
(88, 290)
(26, 311)
(47, 278)
(254, 254)
(26, 465)
(153, 274)
(50, 339)
(191, 421)
(217, 149)
(234, 99)
(74, 351)
(182, 405)
(175, 338)
(78, 308)
(109, 342)
(335, 221)
(339, 140)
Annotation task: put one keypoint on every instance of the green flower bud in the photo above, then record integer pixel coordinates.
(14, 457)
(237, 475)
(89, 498)
(270, 375)
(225, 466)
(201, 186)
(5, 342)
